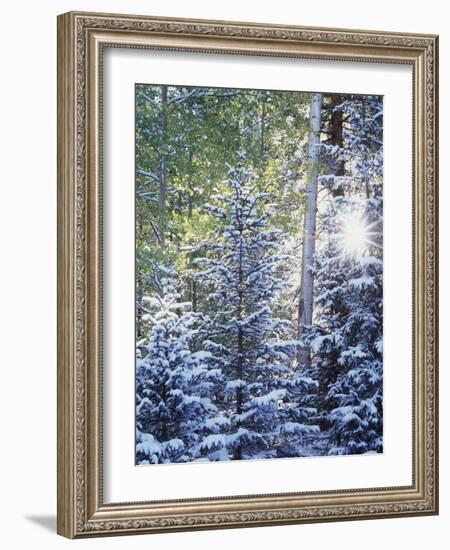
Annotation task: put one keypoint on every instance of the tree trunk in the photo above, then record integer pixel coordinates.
(336, 133)
(237, 455)
(336, 130)
(163, 168)
(238, 449)
(309, 238)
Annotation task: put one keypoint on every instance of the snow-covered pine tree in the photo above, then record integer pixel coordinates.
(175, 382)
(261, 401)
(347, 335)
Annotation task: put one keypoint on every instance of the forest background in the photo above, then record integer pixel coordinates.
(258, 274)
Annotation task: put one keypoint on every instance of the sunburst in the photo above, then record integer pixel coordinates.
(357, 235)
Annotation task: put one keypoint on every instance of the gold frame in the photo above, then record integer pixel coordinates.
(81, 37)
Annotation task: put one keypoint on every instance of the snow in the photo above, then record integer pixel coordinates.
(213, 441)
(354, 352)
(361, 282)
(217, 422)
(175, 444)
(148, 445)
(220, 454)
(318, 342)
(296, 428)
(233, 385)
(201, 355)
(269, 398)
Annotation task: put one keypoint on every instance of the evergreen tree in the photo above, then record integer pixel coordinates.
(347, 335)
(262, 398)
(175, 383)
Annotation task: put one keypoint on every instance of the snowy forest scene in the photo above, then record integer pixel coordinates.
(259, 274)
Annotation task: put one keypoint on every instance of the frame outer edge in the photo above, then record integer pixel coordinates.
(66, 525)
(435, 267)
(75, 482)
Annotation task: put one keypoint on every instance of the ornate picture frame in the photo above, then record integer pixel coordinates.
(82, 39)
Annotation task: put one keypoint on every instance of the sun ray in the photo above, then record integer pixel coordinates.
(357, 235)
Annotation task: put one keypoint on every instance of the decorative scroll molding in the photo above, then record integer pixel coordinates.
(258, 518)
(237, 30)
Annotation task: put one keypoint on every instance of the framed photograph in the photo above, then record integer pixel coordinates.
(247, 276)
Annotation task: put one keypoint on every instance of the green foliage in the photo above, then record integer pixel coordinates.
(188, 139)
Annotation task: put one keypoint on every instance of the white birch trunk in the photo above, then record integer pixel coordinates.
(309, 237)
